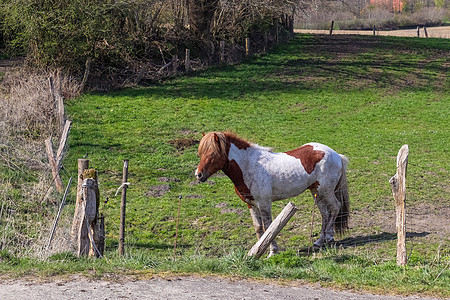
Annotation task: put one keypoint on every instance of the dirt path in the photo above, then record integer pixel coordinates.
(436, 32)
(179, 288)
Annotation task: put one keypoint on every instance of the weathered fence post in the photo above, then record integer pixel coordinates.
(425, 31)
(221, 52)
(187, 62)
(123, 205)
(265, 41)
(269, 235)
(331, 27)
(62, 143)
(247, 47)
(83, 164)
(85, 76)
(398, 184)
(53, 165)
(175, 63)
(277, 37)
(418, 31)
(374, 28)
(59, 103)
(88, 237)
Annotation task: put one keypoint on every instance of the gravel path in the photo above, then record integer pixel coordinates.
(180, 288)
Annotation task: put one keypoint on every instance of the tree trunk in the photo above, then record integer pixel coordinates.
(201, 14)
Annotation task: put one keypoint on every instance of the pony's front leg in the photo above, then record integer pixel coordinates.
(262, 218)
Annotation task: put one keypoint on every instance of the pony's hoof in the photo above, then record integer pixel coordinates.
(316, 247)
(331, 243)
(272, 253)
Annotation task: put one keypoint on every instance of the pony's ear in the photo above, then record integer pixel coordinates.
(203, 134)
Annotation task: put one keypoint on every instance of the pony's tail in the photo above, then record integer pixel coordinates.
(341, 193)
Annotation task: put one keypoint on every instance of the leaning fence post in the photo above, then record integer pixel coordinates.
(269, 235)
(425, 31)
(54, 165)
(398, 184)
(331, 27)
(123, 205)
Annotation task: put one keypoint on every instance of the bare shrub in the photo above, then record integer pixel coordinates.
(429, 16)
(28, 116)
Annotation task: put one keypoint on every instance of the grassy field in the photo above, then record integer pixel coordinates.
(363, 96)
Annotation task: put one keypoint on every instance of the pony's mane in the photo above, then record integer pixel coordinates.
(214, 143)
(218, 143)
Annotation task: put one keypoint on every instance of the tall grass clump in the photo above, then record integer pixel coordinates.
(28, 117)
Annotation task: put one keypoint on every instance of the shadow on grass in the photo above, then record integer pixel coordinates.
(147, 245)
(375, 238)
(376, 61)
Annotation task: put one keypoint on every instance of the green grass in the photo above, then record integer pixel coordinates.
(363, 96)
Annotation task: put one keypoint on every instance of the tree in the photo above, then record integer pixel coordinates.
(201, 14)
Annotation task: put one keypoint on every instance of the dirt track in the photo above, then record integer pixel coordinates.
(172, 287)
(436, 32)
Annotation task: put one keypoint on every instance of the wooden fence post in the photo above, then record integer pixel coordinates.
(265, 41)
(247, 47)
(187, 63)
(398, 184)
(277, 37)
(62, 143)
(123, 205)
(331, 27)
(221, 52)
(425, 31)
(87, 232)
(83, 164)
(57, 98)
(374, 29)
(53, 165)
(418, 31)
(175, 63)
(269, 235)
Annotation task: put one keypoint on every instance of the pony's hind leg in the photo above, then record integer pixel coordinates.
(321, 204)
(333, 207)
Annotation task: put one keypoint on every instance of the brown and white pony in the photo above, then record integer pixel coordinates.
(261, 176)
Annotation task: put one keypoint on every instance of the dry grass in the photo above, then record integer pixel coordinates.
(28, 117)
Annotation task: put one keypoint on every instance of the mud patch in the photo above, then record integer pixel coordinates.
(225, 210)
(183, 143)
(167, 179)
(158, 190)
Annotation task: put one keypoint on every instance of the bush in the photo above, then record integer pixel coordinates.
(113, 34)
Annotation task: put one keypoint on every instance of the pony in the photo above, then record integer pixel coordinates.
(261, 176)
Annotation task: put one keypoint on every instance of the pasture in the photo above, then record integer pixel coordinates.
(363, 96)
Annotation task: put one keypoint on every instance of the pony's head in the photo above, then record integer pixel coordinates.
(213, 153)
